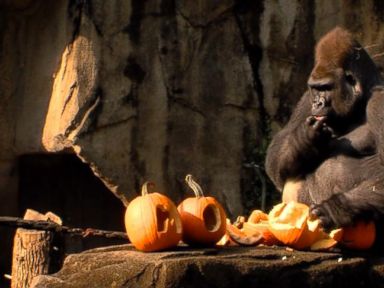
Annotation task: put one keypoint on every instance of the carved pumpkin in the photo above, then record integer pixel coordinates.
(361, 236)
(203, 218)
(291, 225)
(152, 221)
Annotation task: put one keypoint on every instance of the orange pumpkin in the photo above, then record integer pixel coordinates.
(203, 218)
(360, 236)
(291, 225)
(152, 221)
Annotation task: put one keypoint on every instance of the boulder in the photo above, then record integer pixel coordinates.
(123, 266)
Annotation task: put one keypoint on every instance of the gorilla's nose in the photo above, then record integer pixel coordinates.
(318, 104)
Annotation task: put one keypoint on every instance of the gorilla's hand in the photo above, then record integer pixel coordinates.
(317, 129)
(333, 212)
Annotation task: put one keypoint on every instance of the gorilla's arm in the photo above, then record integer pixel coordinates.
(365, 201)
(298, 148)
(375, 119)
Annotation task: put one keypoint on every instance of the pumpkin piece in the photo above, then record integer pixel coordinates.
(240, 220)
(203, 218)
(337, 234)
(329, 241)
(323, 244)
(360, 236)
(257, 216)
(312, 233)
(242, 238)
(258, 223)
(226, 240)
(290, 224)
(152, 221)
(254, 229)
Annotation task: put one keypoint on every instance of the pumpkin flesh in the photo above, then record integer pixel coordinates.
(291, 225)
(258, 223)
(257, 216)
(253, 229)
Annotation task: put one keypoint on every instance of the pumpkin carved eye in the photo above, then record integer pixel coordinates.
(211, 216)
(162, 218)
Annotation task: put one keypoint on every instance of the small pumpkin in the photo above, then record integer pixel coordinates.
(290, 224)
(203, 218)
(152, 221)
(360, 236)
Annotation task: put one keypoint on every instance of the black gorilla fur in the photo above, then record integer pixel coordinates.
(332, 148)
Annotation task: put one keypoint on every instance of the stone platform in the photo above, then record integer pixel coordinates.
(123, 266)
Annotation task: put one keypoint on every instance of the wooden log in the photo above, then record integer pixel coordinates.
(16, 222)
(31, 251)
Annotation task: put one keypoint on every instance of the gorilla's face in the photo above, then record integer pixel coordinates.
(334, 93)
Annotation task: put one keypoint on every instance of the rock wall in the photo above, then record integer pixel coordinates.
(158, 89)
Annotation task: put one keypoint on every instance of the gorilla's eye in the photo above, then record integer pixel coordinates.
(350, 79)
(324, 87)
(323, 84)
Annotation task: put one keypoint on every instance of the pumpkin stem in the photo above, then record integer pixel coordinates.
(194, 186)
(146, 187)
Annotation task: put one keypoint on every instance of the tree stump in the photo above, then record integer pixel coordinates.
(31, 251)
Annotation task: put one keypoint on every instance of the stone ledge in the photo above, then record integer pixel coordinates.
(123, 266)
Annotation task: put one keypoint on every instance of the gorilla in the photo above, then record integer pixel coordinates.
(330, 154)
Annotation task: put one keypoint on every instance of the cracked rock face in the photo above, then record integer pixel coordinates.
(144, 97)
(154, 90)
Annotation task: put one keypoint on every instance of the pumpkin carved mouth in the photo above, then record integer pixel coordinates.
(211, 216)
(165, 219)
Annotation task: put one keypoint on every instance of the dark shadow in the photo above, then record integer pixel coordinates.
(61, 183)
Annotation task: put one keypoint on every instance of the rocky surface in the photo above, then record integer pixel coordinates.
(123, 266)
